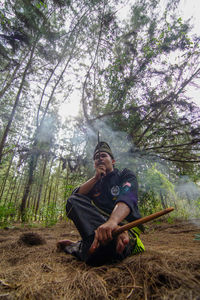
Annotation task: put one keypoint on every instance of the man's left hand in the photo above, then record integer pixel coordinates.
(122, 241)
(103, 235)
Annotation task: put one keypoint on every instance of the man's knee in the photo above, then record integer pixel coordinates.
(69, 204)
(73, 202)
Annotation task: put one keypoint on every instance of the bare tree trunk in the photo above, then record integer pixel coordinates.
(8, 191)
(40, 187)
(50, 190)
(32, 166)
(13, 190)
(6, 176)
(46, 188)
(11, 117)
(33, 201)
(45, 193)
(28, 204)
(11, 77)
(164, 205)
(19, 187)
(56, 184)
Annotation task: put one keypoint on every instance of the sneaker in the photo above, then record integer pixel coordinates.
(62, 244)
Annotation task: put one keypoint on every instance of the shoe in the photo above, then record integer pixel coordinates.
(62, 244)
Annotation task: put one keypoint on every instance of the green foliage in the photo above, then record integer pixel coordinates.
(50, 214)
(68, 190)
(156, 191)
(170, 220)
(28, 215)
(148, 202)
(158, 182)
(7, 214)
(198, 203)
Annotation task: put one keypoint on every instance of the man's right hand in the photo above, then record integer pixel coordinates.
(100, 171)
(87, 186)
(103, 234)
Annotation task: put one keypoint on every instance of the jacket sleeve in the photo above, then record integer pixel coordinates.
(75, 191)
(128, 189)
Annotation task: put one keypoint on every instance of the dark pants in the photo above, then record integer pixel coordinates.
(87, 219)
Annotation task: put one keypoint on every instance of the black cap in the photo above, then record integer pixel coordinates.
(103, 147)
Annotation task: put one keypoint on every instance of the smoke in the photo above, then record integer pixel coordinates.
(155, 176)
(47, 131)
(125, 153)
(189, 192)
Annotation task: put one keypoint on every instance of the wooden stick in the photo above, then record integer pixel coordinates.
(139, 222)
(143, 220)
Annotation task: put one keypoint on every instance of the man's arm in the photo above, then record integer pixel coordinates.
(103, 234)
(86, 187)
(126, 203)
(128, 190)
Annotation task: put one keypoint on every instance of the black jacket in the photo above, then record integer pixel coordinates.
(117, 186)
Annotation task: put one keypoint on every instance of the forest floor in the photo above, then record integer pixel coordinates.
(168, 269)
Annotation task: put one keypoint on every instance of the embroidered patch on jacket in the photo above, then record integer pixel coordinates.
(127, 184)
(115, 190)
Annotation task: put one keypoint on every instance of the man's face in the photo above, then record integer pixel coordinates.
(103, 158)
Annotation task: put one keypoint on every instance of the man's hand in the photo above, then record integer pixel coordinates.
(100, 171)
(103, 234)
(122, 241)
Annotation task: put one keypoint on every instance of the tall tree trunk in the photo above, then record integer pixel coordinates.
(32, 166)
(13, 190)
(6, 176)
(16, 195)
(11, 77)
(46, 188)
(32, 201)
(8, 191)
(48, 179)
(162, 200)
(56, 184)
(40, 187)
(50, 190)
(11, 117)
(19, 188)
